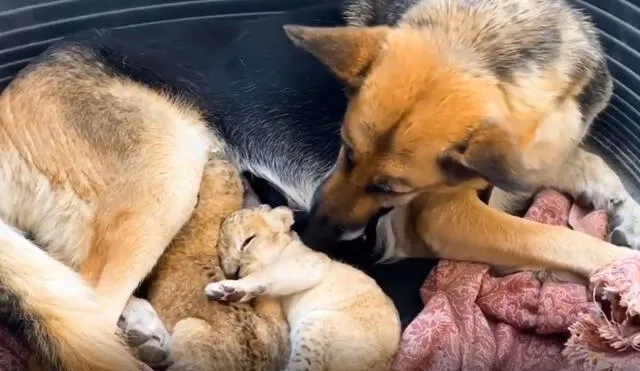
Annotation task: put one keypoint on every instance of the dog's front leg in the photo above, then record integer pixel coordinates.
(458, 226)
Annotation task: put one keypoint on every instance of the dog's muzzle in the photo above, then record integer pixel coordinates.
(323, 232)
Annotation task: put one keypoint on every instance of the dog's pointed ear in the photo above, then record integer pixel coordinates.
(490, 152)
(347, 51)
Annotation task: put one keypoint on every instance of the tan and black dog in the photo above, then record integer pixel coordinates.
(106, 135)
(448, 96)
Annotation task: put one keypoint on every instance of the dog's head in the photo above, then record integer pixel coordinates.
(252, 237)
(415, 122)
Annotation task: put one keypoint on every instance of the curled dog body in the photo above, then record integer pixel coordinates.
(105, 140)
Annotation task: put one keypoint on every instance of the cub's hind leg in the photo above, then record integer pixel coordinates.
(330, 341)
(194, 344)
(309, 345)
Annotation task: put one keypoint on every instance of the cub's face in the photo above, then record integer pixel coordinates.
(251, 237)
(415, 122)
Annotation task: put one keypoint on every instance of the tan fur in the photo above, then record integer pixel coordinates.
(340, 319)
(207, 335)
(65, 307)
(102, 173)
(458, 95)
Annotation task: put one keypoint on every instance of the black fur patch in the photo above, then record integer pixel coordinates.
(485, 162)
(539, 50)
(27, 327)
(455, 172)
(596, 93)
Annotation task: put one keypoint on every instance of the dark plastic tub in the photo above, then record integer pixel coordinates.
(27, 27)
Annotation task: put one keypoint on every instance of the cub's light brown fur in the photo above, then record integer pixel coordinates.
(456, 95)
(340, 319)
(207, 335)
(102, 172)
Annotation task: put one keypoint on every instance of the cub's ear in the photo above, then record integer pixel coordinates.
(490, 152)
(263, 208)
(282, 217)
(347, 51)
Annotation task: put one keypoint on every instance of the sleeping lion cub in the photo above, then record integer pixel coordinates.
(207, 335)
(339, 318)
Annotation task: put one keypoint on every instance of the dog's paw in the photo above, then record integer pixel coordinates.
(601, 198)
(623, 211)
(625, 225)
(232, 291)
(145, 332)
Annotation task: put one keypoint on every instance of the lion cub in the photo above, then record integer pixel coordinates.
(206, 335)
(340, 319)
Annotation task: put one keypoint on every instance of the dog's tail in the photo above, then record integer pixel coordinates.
(55, 311)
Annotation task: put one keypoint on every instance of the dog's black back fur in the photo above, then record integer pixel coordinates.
(275, 106)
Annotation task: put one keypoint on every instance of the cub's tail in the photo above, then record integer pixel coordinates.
(57, 313)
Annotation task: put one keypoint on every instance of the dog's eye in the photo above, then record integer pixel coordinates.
(349, 160)
(381, 188)
(389, 186)
(247, 242)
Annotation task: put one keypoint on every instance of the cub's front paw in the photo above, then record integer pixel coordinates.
(625, 225)
(232, 291)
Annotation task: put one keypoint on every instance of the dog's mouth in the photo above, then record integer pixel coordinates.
(368, 230)
(350, 235)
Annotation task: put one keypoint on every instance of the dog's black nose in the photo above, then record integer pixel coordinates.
(321, 233)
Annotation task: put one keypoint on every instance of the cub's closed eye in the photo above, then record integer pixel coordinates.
(248, 241)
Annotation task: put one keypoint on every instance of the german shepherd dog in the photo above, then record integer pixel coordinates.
(447, 97)
(107, 134)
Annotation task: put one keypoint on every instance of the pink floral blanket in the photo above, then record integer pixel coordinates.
(13, 355)
(473, 320)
